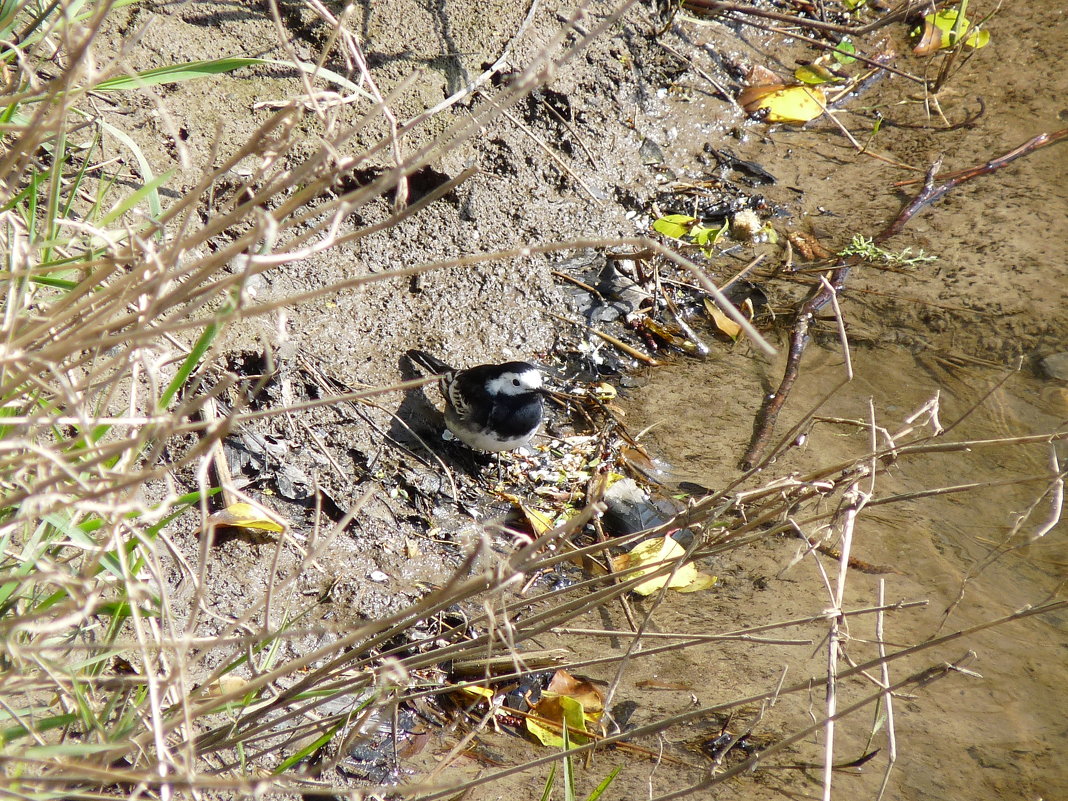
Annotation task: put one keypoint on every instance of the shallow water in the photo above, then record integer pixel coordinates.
(965, 737)
(998, 291)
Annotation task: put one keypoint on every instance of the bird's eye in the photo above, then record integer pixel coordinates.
(515, 382)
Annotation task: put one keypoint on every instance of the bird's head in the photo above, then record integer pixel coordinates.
(515, 378)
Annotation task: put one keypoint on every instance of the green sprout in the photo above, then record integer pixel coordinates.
(681, 226)
(865, 248)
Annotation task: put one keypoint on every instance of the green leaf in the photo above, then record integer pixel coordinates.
(844, 53)
(707, 237)
(674, 225)
(175, 73)
(573, 717)
(953, 24)
(701, 235)
(813, 74)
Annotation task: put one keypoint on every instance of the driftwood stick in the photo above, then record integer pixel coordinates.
(820, 295)
(715, 6)
(927, 195)
(930, 192)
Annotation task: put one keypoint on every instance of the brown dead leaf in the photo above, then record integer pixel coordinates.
(761, 76)
(930, 41)
(587, 694)
(808, 246)
(723, 323)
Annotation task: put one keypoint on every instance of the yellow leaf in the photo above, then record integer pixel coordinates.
(563, 711)
(942, 30)
(603, 391)
(478, 692)
(791, 104)
(244, 515)
(650, 555)
(538, 521)
(724, 323)
(702, 581)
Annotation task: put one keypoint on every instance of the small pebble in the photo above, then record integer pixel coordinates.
(1056, 366)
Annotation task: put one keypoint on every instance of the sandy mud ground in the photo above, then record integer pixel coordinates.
(995, 301)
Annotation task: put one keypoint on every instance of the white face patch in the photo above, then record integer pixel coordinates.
(515, 383)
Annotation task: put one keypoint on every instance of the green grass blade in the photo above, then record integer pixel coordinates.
(569, 766)
(31, 205)
(147, 174)
(55, 283)
(36, 545)
(147, 190)
(55, 189)
(307, 750)
(547, 792)
(40, 725)
(191, 361)
(192, 70)
(600, 788)
(9, 10)
(321, 72)
(75, 534)
(175, 73)
(80, 176)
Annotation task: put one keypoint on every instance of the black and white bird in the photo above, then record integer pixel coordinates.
(491, 407)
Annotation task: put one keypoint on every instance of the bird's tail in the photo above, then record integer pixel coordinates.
(428, 362)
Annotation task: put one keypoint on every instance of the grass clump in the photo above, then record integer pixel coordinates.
(114, 300)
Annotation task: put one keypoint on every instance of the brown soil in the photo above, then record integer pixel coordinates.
(998, 292)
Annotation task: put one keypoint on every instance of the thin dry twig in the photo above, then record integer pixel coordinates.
(888, 698)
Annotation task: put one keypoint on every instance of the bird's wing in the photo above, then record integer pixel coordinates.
(451, 391)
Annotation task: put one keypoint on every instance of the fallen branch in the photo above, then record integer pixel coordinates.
(799, 337)
(709, 7)
(930, 192)
(821, 294)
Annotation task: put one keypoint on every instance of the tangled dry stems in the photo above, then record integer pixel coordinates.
(107, 358)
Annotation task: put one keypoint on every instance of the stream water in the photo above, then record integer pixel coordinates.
(998, 735)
